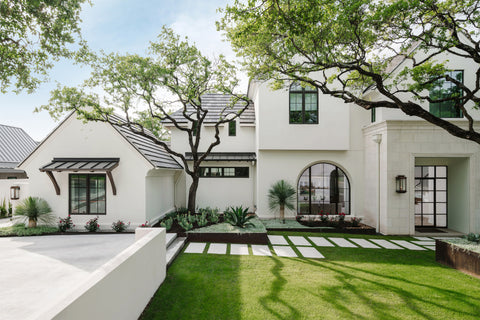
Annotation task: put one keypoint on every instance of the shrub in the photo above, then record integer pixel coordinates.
(355, 221)
(120, 226)
(324, 217)
(10, 209)
(202, 220)
(92, 225)
(212, 214)
(184, 223)
(167, 223)
(341, 217)
(34, 209)
(238, 216)
(173, 215)
(65, 224)
(144, 225)
(181, 211)
(3, 209)
(191, 218)
(473, 237)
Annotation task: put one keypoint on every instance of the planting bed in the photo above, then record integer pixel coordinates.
(454, 256)
(317, 226)
(226, 233)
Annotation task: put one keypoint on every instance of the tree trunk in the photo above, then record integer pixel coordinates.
(32, 223)
(192, 195)
(282, 213)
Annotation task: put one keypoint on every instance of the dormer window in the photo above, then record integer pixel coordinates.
(444, 89)
(303, 104)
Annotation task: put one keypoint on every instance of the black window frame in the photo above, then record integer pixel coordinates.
(435, 191)
(239, 172)
(373, 115)
(88, 193)
(303, 92)
(310, 203)
(451, 103)
(232, 128)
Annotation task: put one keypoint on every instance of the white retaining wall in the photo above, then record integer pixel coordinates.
(122, 287)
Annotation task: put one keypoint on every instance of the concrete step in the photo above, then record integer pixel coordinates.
(170, 238)
(174, 249)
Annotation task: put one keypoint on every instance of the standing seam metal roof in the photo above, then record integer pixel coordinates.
(154, 153)
(215, 104)
(15, 145)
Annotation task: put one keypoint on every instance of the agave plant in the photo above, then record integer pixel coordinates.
(280, 196)
(34, 209)
(237, 216)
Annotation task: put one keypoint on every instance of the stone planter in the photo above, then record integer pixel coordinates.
(458, 258)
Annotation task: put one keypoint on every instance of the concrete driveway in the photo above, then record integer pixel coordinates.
(36, 272)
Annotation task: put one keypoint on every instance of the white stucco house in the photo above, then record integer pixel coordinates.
(98, 169)
(342, 158)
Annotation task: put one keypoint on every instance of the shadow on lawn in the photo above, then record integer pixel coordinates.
(335, 294)
(273, 298)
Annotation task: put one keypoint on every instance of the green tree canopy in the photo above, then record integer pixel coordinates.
(346, 47)
(145, 89)
(33, 34)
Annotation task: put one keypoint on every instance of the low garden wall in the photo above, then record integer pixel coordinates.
(458, 258)
(122, 287)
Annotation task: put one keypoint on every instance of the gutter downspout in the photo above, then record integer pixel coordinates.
(378, 140)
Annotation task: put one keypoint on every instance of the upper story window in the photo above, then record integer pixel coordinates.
(446, 89)
(303, 104)
(232, 128)
(373, 115)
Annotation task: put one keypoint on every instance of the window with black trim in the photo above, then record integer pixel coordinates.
(87, 194)
(303, 104)
(232, 128)
(373, 115)
(323, 189)
(444, 89)
(224, 172)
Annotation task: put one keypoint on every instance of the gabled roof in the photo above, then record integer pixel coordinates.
(15, 145)
(154, 153)
(215, 104)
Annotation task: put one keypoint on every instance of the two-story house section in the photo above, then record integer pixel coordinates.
(227, 176)
(442, 171)
(314, 142)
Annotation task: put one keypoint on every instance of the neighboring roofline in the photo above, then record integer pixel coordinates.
(45, 139)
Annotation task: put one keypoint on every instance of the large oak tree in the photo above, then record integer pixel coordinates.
(145, 89)
(345, 47)
(33, 34)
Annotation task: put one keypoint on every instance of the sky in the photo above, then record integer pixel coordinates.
(119, 26)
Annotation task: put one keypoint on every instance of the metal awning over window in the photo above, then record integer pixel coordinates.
(81, 165)
(226, 156)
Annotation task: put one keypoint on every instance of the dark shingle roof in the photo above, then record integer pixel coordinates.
(154, 153)
(226, 156)
(215, 104)
(15, 145)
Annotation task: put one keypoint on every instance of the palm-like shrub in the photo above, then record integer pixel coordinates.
(238, 217)
(280, 196)
(34, 209)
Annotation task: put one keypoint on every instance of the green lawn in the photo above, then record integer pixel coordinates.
(348, 284)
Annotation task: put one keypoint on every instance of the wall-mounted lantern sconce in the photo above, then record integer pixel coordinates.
(15, 193)
(401, 184)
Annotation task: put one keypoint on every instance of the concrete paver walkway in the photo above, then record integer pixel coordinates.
(282, 248)
(36, 272)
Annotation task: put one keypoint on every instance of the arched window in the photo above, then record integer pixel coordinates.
(323, 188)
(303, 104)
